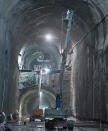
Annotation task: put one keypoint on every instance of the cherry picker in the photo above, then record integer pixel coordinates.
(59, 112)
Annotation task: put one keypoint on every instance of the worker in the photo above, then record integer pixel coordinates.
(2, 122)
(2, 119)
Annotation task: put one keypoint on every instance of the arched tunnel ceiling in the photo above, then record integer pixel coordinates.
(30, 100)
(31, 19)
(31, 53)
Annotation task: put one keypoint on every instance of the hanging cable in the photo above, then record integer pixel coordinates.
(94, 28)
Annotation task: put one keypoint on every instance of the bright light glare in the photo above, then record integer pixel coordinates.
(19, 60)
(40, 93)
(48, 37)
(46, 70)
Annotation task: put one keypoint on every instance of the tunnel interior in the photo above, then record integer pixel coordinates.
(24, 25)
(29, 100)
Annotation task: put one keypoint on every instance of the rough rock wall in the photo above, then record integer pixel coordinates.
(89, 72)
(8, 67)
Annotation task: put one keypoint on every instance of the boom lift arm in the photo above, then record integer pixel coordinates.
(69, 19)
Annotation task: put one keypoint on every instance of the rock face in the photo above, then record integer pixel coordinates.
(23, 22)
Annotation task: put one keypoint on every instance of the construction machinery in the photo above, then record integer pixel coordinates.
(59, 114)
(37, 115)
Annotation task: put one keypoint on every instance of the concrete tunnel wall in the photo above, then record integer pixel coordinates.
(89, 73)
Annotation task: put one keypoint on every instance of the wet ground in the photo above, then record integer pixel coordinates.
(32, 127)
(41, 127)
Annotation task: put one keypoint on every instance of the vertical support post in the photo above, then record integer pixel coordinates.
(40, 83)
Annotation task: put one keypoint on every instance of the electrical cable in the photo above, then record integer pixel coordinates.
(84, 37)
(94, 28)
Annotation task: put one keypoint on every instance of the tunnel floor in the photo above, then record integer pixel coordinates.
(40, 126)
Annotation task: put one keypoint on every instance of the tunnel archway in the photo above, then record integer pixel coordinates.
(29, 101)
(32, 55)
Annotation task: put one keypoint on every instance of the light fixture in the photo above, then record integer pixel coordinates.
(48, 37)
(46, 70)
